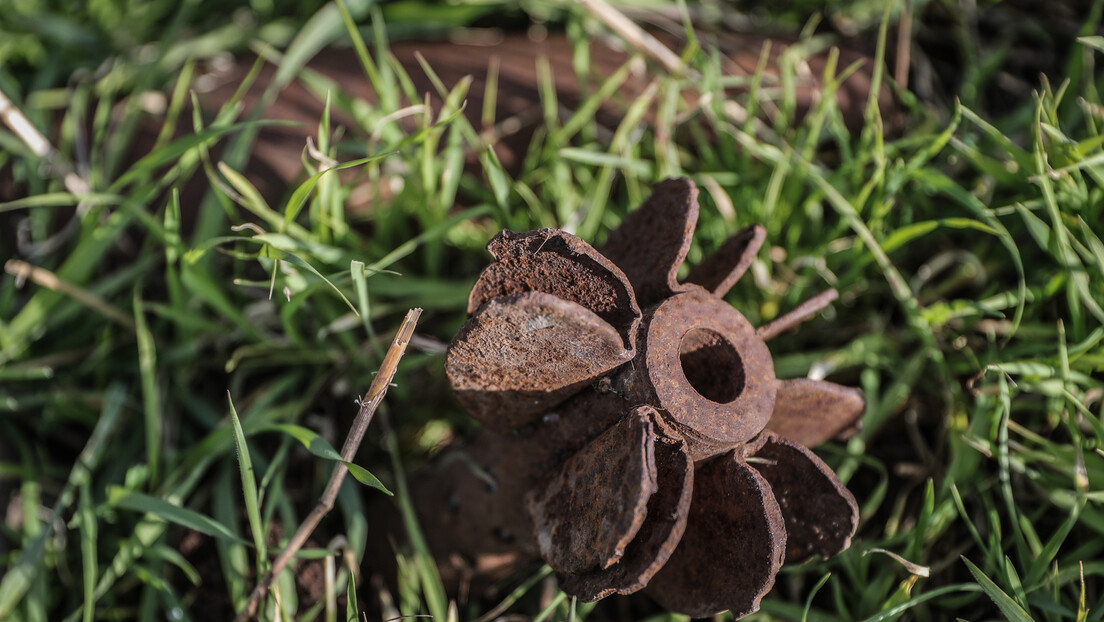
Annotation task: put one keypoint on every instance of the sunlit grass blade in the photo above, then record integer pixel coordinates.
(59, 199)
(320, 447)
(352, 611)
(89, 561)
(147, 166)
(295, 259)
(1004, 602)
(299, 197)
(895, 612)
(120, 497)
(249, 488)
(151, 403)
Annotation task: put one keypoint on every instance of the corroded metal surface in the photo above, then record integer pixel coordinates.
(593, 505)
(821, 514)
(733, 546)
(523, 354)
(652, 241)
(558, 263)
(813, 411)
(664, 524)
(721, 270)
(804, 311)
(644, 450)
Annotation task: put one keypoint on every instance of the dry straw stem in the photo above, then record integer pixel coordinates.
(368, 407)
(636, 36)
(654, 49)
(22, 271)
(39, 145)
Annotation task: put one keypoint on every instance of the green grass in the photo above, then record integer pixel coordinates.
(967, 251)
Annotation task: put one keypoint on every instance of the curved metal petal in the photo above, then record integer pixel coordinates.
(661, 531)
(813, 411)
(721, 270)
(589, 509)
(733, 546)
(558, 263)
(799, 314)
(519, 355)
(651, 242)
(821, 514)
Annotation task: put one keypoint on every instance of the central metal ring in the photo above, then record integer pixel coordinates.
(709, 370)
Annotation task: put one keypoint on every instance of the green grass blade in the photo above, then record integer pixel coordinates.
(120, 497)
(60, 199)
(812, 593)
(432, 587)
(908, 233)
(323, 449)
(251, 198)
(147, 166)
(432, 233)
(299, 197)
(1009, 607)
(20, 575)
(352, 611)
(547, 612)
(174, 557)
(516, 594)
(151, 403)
(249, 488)
(89, 563)
(895, 612)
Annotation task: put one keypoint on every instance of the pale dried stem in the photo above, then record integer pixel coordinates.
(38, 144)
(22, 271)
(636, 36)
(904, 47)
(653, 48)
(368, 407)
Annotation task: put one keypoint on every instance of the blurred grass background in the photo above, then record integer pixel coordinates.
(965, 242)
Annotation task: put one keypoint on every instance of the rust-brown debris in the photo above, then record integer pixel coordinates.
(635, 435)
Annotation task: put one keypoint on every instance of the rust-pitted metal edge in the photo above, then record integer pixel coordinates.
(663, 526)
(797, 315)
(589, 509)
(721, 270)
(813, 411)
(558, 263)
(652, 241)
(519, 355)
(734, 543)
(821, 514)
(709, 426)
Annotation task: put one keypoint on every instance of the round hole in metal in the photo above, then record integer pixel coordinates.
(712, 365)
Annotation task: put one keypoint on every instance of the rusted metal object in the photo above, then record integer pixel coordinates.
(635, 433)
